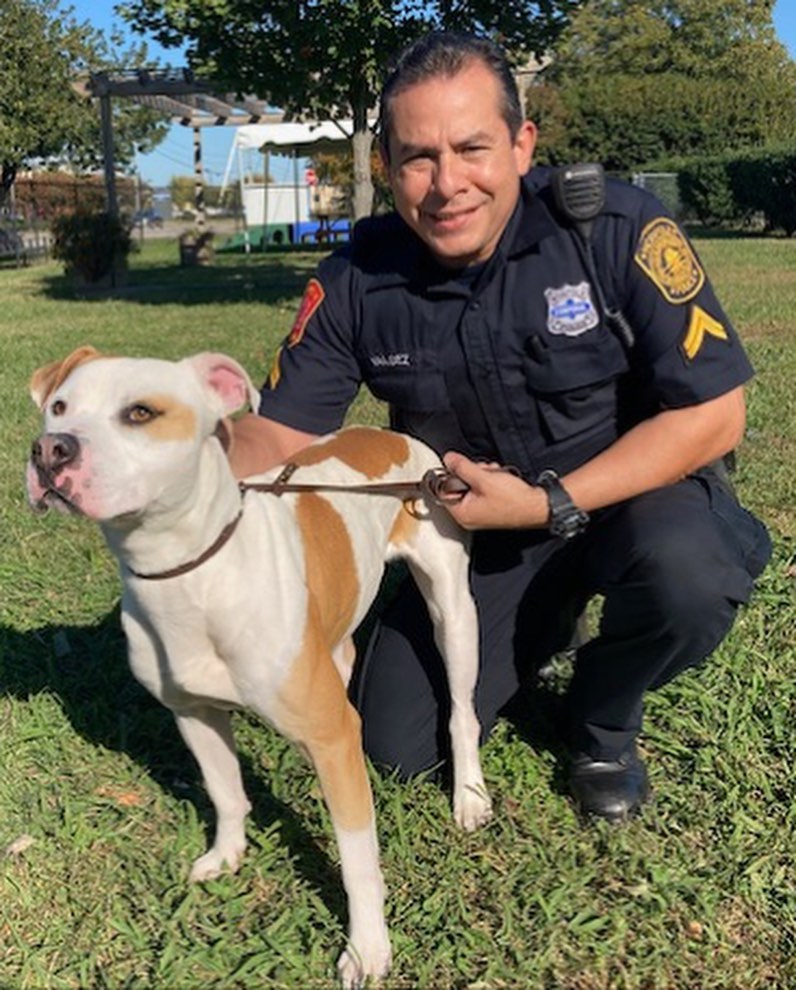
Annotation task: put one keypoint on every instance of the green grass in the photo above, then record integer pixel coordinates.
(696, 895)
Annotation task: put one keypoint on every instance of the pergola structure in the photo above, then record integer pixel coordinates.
(194, 103)
(186, 100)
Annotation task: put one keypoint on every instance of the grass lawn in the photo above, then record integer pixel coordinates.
(101, 811)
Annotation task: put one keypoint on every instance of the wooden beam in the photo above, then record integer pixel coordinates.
(144, 84)
(106, 121)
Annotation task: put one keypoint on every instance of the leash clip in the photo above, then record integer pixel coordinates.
(443, 486)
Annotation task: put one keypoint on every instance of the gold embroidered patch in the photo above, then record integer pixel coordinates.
(666, 257)
(700, 324)
(276, 372)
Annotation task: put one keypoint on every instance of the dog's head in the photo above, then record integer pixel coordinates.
(122, 434)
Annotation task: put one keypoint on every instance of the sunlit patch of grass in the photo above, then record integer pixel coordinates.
(697, 894)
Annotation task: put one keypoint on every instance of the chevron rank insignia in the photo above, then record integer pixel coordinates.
(701, 325)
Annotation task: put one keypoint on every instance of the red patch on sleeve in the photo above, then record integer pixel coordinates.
(313, 297)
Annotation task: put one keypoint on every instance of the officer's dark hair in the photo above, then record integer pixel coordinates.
(446, 53)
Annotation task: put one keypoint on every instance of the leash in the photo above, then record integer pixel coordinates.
(438, 484)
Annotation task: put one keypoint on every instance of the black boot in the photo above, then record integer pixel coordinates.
(610, 789)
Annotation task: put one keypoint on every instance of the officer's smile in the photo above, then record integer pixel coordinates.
(451, 221)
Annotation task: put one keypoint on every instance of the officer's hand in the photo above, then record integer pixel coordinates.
(497, 499)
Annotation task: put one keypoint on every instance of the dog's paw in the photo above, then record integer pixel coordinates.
(213, 864)
(364, 965)
(472, 807)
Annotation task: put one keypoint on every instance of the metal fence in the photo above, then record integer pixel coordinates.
(663, 185)
(36, 198)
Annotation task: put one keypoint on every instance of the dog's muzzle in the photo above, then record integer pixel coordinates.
(49, 455)
(54, 451)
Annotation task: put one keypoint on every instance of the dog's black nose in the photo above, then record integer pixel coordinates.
(54, 451)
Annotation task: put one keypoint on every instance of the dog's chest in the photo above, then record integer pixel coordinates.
(222, 642)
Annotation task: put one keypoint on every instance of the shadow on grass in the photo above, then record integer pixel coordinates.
(267, 279)
(85, 668)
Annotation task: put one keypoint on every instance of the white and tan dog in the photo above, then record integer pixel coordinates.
(262, 613)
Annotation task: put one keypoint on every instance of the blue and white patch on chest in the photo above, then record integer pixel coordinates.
(571, 310)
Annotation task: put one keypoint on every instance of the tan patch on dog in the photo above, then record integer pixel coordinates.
(315, 712)
(329, 564)
(405, 525)
(371, 452)
(47, 379)
(175, 420)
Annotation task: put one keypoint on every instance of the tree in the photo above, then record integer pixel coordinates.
(42, 117)
(326, 58)
(638, 81)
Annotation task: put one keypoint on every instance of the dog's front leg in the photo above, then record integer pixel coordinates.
(208, 734)
(340, 765)
(315, 712)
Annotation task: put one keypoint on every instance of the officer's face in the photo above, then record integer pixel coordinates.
(454, 167)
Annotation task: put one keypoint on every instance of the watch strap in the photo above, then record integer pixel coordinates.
(565, 519)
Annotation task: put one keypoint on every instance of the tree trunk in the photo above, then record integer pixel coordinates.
(361, 144)
(7, 176)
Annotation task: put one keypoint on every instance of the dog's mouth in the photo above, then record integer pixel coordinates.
(62, 499)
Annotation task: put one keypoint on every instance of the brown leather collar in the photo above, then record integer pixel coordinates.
(190, 565)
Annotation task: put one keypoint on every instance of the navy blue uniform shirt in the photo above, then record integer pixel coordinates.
(511, 360)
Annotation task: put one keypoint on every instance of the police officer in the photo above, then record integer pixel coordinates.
(486, 319)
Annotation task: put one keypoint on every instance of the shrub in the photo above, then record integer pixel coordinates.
(732, 190)
(91, 245)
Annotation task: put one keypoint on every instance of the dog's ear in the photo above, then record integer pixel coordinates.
(46, 380)
(227, 379)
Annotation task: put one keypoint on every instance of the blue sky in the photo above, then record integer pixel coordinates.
(175, 155)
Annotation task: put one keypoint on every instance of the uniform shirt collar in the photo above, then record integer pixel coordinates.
(531, 222)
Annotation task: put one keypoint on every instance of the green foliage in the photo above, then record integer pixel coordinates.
(90, 244)
(735, 190)
(632, 82)
(323, 57)
(328, 58)
(42, 116)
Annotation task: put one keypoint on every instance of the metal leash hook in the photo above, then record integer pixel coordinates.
(443, 486)
(446, 488)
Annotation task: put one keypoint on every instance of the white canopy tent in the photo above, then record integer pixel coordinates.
(293, 139)
(296, 140)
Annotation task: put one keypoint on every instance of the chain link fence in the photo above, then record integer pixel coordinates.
(34, 199)
(664, 185)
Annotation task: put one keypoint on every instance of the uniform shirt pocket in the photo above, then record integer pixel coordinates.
(574, 382)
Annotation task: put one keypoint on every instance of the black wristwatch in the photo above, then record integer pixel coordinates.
(565, 519)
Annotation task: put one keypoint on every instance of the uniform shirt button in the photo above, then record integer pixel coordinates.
(475, 305)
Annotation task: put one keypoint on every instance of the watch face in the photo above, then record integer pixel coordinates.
(569, 523)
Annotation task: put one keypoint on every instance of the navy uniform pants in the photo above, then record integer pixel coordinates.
(672, 565)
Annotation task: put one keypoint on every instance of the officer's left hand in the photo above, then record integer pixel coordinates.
(497, 499)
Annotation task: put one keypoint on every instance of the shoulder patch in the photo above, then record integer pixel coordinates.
(666, 257)
(311, 300)
(700, 325)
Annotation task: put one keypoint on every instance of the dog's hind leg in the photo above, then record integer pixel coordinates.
(438, 559)
(208, 734)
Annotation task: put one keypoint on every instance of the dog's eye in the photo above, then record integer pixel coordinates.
(58, 408)
(138, 413)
